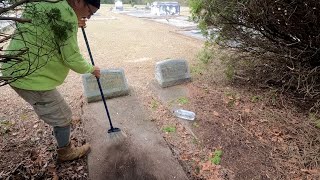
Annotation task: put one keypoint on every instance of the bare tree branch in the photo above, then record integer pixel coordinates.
(19, 3)
(6, 38)
(20, 20)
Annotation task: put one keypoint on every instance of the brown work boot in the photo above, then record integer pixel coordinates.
(70, 153)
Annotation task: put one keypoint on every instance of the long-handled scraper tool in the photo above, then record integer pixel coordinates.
(114, 133)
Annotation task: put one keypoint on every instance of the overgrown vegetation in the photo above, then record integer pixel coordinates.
(205, 56)
(279, 41)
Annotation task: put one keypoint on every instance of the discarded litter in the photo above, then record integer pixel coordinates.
(184, 114)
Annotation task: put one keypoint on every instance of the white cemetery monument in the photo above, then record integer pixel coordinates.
(165, 8)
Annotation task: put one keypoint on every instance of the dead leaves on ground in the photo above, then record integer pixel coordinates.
(312, 171)
(24, 157)
(193, 155)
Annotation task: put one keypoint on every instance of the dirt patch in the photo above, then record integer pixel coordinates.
(259, 140)
(220, 128)
(123, 163)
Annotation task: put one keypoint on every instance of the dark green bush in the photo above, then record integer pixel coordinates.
(281, 38)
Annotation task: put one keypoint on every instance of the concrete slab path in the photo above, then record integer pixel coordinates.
(135, 45)
(143, 155)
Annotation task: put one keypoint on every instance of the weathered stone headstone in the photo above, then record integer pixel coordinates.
(172, 72)
(113, 83)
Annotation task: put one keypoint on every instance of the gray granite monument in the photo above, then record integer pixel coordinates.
(113, 83)
(172, 72)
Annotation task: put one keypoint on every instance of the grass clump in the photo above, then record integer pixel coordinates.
(216, 159)
(315, 119)
(255, 99)
(169, 129)
(183, 100)
(205, 55)
(154, 104)
(5, 126)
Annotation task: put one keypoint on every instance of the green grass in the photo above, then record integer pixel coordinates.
(195, 124)
(197, 169)
(197, 69)
(154, 104)
(229, 72)
(229, 65)
(255, 99)
(272, 96)
(315, 119)
(205, 56)
(232, 97)
(195, 141)
(24, 117)
(230, 94)
(5, 126)
(169, 129)
(216, 159)
(182, 100)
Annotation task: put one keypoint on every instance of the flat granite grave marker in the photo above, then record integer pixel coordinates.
(113, 83)
(172, 72)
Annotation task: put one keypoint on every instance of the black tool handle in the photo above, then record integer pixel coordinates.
(98, 80)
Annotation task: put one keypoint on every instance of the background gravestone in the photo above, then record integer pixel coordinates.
(172, 72)
(113, 83)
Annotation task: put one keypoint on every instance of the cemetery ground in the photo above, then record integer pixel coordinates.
(240, 131)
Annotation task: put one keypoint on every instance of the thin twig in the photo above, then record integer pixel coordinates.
(20, 20)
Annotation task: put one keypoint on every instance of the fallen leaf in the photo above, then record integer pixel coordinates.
(216, 113)
(247, 110)
(185, 157)
(263, 120)
(253, 123)
(280, 139)
(277, 132)
(258, 133)
(311, 171)
(79, 168)
(230, 97)
(274, 139)
(14, 134)
(55, 176)
(207, 166)
(51, 168)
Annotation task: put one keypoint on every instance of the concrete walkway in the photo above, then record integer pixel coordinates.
(135, 45)
(142, 155)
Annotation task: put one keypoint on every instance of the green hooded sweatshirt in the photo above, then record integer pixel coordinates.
(49, 45)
